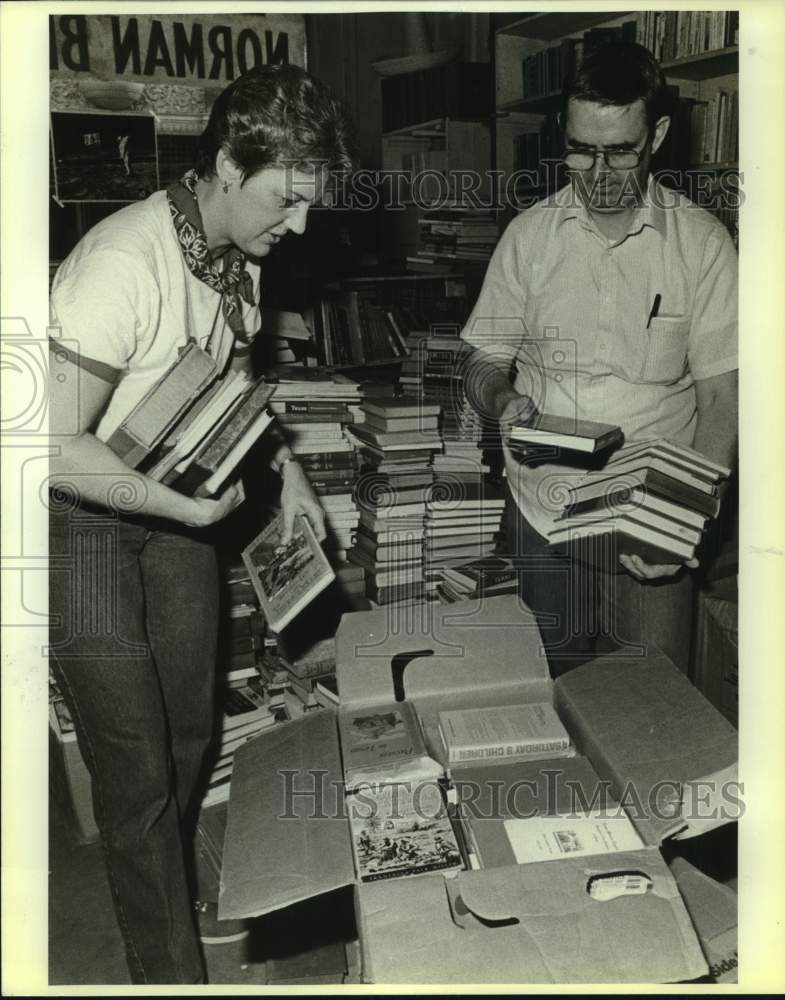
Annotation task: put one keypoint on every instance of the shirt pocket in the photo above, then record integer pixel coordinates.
(665, 349)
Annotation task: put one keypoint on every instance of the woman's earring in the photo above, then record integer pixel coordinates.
(226, 187)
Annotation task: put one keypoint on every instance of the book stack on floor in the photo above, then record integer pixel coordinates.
(246, 712)
(489, 576)
(306, 667)
(653, 499)
(460, 524)
(242, 628)
(314, 408)
(395, 444)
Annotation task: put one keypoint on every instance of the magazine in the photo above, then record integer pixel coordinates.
(286, 577)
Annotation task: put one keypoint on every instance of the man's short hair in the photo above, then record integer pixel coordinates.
(619, 73)
(276, 116)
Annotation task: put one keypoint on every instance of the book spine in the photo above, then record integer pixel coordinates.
(502, 750)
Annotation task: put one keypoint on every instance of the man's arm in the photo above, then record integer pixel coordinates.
(717, 428)
(486, 381)
(716, 436)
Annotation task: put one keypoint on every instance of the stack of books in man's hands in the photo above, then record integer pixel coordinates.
(653, 499)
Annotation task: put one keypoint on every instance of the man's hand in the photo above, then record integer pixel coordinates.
(641, 570)
(205, 511)
(298, 497)
(517, 410)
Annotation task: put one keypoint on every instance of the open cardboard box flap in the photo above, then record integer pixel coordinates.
(713, 908)
(427, 651)
(650, 732)
(282, 847)
(530, 924)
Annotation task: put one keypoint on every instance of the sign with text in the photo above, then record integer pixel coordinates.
(177, 48)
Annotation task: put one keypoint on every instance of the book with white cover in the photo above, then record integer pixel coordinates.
(502, 732)
(551, 838)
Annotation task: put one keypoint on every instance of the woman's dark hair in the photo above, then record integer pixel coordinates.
(276, 115)
(619, 73)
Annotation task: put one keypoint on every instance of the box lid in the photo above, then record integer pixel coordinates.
(282, 847)
(652, 734)
(530, 924)
(483, 648)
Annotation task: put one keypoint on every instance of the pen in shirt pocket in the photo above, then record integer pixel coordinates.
(654, 309)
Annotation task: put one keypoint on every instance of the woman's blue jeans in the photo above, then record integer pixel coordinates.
(134, 620)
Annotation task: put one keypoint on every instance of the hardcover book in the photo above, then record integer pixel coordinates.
(504, 732)
(399, 831)
(163, 404)
(287, 577)
(569, 433)
(384, 744)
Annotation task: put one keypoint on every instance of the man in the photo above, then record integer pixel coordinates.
(569, 302)
(134, 589)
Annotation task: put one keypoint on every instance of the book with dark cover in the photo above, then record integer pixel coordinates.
(163, 405)
(287, 577)
(400, 830)
(402, 406)
(669, 485)
(483, 572)
(620, 499)
(569, 433)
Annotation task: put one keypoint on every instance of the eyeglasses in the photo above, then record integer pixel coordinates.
(616, 159)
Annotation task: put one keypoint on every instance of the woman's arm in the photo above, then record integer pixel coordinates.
(77, 399)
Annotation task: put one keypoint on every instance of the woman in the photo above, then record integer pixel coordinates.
(133, 590)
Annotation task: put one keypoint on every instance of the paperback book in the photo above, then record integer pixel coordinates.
(384, 744)
(286, 577)
(400, 831)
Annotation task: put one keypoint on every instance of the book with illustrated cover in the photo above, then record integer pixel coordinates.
(400, 830)
(504, 732)
(569, 433)
(286, 578)
(384, 744)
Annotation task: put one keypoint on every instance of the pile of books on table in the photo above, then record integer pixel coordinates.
(654, 499)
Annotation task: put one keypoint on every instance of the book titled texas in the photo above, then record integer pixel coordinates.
(286, 577)
(569, 433)
(384, 744)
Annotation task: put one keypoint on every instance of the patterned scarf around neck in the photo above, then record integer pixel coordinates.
(233, 282)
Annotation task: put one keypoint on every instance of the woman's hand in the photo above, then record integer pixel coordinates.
(298, 497)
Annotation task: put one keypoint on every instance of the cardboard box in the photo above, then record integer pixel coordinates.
(713, 908)
(633, 721)
(717, 654)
